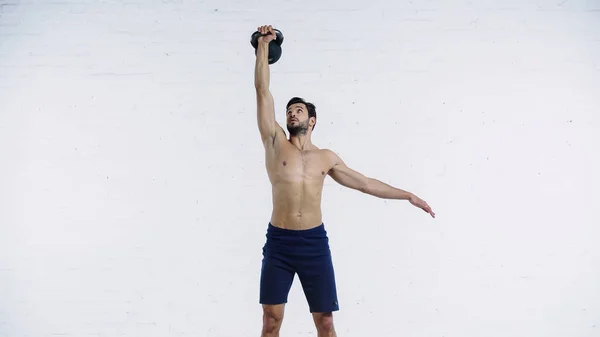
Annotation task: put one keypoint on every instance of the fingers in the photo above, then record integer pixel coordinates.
(266, 30)
(431, 212)
(271, 32)
(428, 209)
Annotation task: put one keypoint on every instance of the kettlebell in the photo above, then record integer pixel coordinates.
(274, 46)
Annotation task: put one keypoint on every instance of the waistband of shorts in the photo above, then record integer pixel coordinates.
(297, 232)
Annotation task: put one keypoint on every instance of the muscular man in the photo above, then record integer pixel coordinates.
(297, 242)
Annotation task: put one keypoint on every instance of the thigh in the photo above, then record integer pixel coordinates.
(276, 279)
(318, 282)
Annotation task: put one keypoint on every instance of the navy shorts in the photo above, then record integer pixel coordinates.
(303, 252)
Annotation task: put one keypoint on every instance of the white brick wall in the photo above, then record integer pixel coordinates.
(134, 200)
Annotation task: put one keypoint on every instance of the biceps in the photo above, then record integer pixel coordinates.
(347, 177)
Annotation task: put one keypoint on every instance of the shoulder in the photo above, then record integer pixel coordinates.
(328, 152)
(331, 156)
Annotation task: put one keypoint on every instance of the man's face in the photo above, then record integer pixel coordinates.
(297, 119)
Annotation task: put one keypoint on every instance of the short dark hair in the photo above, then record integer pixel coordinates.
(312, 110)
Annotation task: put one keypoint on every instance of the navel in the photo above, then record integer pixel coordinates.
(323, 173)
(284, 163)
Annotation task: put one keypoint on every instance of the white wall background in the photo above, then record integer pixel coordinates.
(134, 199)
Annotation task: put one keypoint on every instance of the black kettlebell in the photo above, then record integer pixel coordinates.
(274, 46)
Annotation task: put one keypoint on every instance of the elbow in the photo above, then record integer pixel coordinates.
(365, 186)
(261, 88)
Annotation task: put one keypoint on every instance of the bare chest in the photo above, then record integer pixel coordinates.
(293, 165)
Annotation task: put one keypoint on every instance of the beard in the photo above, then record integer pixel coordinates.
(301, 128)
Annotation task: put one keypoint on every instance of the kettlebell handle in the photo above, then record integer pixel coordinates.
(257, 34)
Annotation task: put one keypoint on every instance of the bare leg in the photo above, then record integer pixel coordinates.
(324, 324)
(272, 319)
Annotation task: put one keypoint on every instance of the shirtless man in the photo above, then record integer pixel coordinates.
(297, 242)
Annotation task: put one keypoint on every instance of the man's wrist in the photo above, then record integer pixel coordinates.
(263, 49)
(405, 195)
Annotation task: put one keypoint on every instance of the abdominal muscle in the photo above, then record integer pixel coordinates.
(297, 205)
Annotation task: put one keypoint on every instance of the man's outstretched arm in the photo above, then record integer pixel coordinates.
(267, 125)
(348, 177)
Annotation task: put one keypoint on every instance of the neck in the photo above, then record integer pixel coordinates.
(302, 142)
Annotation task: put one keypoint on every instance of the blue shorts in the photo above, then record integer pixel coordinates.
(303, 252)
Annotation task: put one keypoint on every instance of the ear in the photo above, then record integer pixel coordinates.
(312, 121)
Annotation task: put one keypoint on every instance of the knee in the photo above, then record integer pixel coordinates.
(271, 321)
(324, 323)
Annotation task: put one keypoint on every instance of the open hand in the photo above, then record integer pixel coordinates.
(268, 34)
(418, 202)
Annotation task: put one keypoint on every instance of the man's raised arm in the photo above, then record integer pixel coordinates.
(267, 125)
